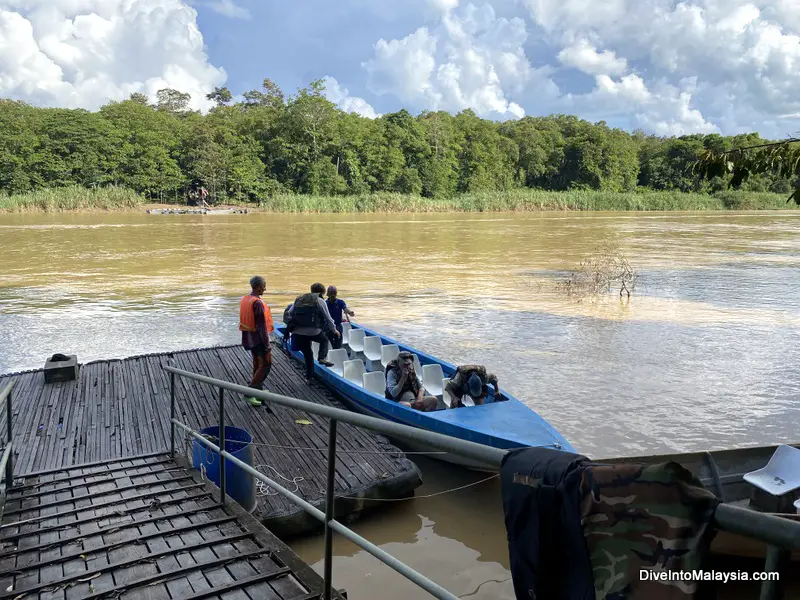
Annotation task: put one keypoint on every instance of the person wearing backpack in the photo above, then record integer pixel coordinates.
(308, 320)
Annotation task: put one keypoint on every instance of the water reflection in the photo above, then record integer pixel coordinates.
(439, 536)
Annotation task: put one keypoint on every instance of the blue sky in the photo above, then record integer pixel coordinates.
(664, 66)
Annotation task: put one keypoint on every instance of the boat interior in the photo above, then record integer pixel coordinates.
(363, 358)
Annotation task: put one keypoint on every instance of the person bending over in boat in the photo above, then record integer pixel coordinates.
(403, 385)
(471, 380)
(307, 318)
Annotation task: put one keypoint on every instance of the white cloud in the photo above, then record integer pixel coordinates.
(742, 58)
(583, 56)
(230, 9)
(84, 53)
(471, 59)
(342, 98)
(444, 5)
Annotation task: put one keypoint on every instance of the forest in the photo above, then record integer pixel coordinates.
(271, 144)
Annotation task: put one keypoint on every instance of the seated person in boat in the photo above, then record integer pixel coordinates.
(471, 380)
(403, 385)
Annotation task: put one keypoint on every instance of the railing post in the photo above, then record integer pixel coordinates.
(221, 440)
(172, 415)
(330, 497)
(9, 437)
(777, 559)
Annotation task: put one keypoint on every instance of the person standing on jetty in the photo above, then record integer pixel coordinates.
(307, 318)
(255, 323)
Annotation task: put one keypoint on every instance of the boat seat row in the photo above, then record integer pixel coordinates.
(355, 370)
(374, 351)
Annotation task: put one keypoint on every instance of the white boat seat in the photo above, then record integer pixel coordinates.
(432, 376)
(388, 354)
(315, 350)
(372, 347)
(447, 397)
(417, 366)
(346, 327)
(797, 505)
(782, 473)
(375, 382)
(356, 340)
(354, 371)
(337, 357)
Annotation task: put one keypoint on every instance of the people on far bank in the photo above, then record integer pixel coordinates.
(256, 325)
(404, 386)
(471, 381)
(308, 320)
(338, 311)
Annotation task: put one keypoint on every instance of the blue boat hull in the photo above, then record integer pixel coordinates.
(506, 425)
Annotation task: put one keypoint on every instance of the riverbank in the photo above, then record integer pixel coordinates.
(76, 199)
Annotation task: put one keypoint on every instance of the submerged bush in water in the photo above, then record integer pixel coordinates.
(602, 271)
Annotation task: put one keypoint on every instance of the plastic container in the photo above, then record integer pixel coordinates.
(240, 485)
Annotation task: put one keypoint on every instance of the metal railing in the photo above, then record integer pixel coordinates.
(781, 535)
(7, 460)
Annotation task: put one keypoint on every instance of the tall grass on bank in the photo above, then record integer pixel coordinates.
(523, 200)
(73, 198)
(526, 200)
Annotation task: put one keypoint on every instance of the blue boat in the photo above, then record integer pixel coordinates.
(505, 424)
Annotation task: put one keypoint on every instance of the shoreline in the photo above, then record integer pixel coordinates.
(119, 200)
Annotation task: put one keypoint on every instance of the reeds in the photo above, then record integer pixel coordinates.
(72, 198)
(76, 198)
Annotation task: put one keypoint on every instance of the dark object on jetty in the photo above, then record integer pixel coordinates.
(144, 527)
(119, 408)
(61, 367)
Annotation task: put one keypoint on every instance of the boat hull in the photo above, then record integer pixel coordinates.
(506, 425)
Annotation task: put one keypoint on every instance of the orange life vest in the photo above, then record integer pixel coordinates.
(247, 315)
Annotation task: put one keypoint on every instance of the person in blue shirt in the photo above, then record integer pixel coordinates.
(338, 310)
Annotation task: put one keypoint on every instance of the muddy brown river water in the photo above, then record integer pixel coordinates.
(703, 355)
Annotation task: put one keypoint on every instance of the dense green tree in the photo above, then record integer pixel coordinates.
(272, 142)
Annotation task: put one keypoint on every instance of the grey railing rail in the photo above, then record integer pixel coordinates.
(7, 460)
(781, 535)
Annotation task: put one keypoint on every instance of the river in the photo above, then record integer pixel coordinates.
(702, 355)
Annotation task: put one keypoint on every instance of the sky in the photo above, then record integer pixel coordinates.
(662, 66)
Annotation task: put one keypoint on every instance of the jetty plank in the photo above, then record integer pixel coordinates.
(121, 408)
(196, 549)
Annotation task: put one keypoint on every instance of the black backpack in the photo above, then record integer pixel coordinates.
(307, 312)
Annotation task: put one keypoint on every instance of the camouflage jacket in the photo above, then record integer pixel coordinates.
(601, 525)
(458, 381)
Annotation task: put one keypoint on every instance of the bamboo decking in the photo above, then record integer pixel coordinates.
(141, 529)
(120, 408)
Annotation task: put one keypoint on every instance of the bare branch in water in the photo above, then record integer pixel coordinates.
(604, 270)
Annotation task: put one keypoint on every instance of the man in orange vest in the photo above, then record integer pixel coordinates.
(255, 323)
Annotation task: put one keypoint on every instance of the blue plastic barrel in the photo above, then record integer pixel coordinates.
(238, 442)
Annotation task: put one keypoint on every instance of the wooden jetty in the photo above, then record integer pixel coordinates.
(120, 408)
(141, 528)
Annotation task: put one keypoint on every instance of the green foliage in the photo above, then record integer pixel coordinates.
(269, 144)
(73, 197)
(741, 165)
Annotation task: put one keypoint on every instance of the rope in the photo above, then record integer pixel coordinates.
(262, 489)
(415, 497)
